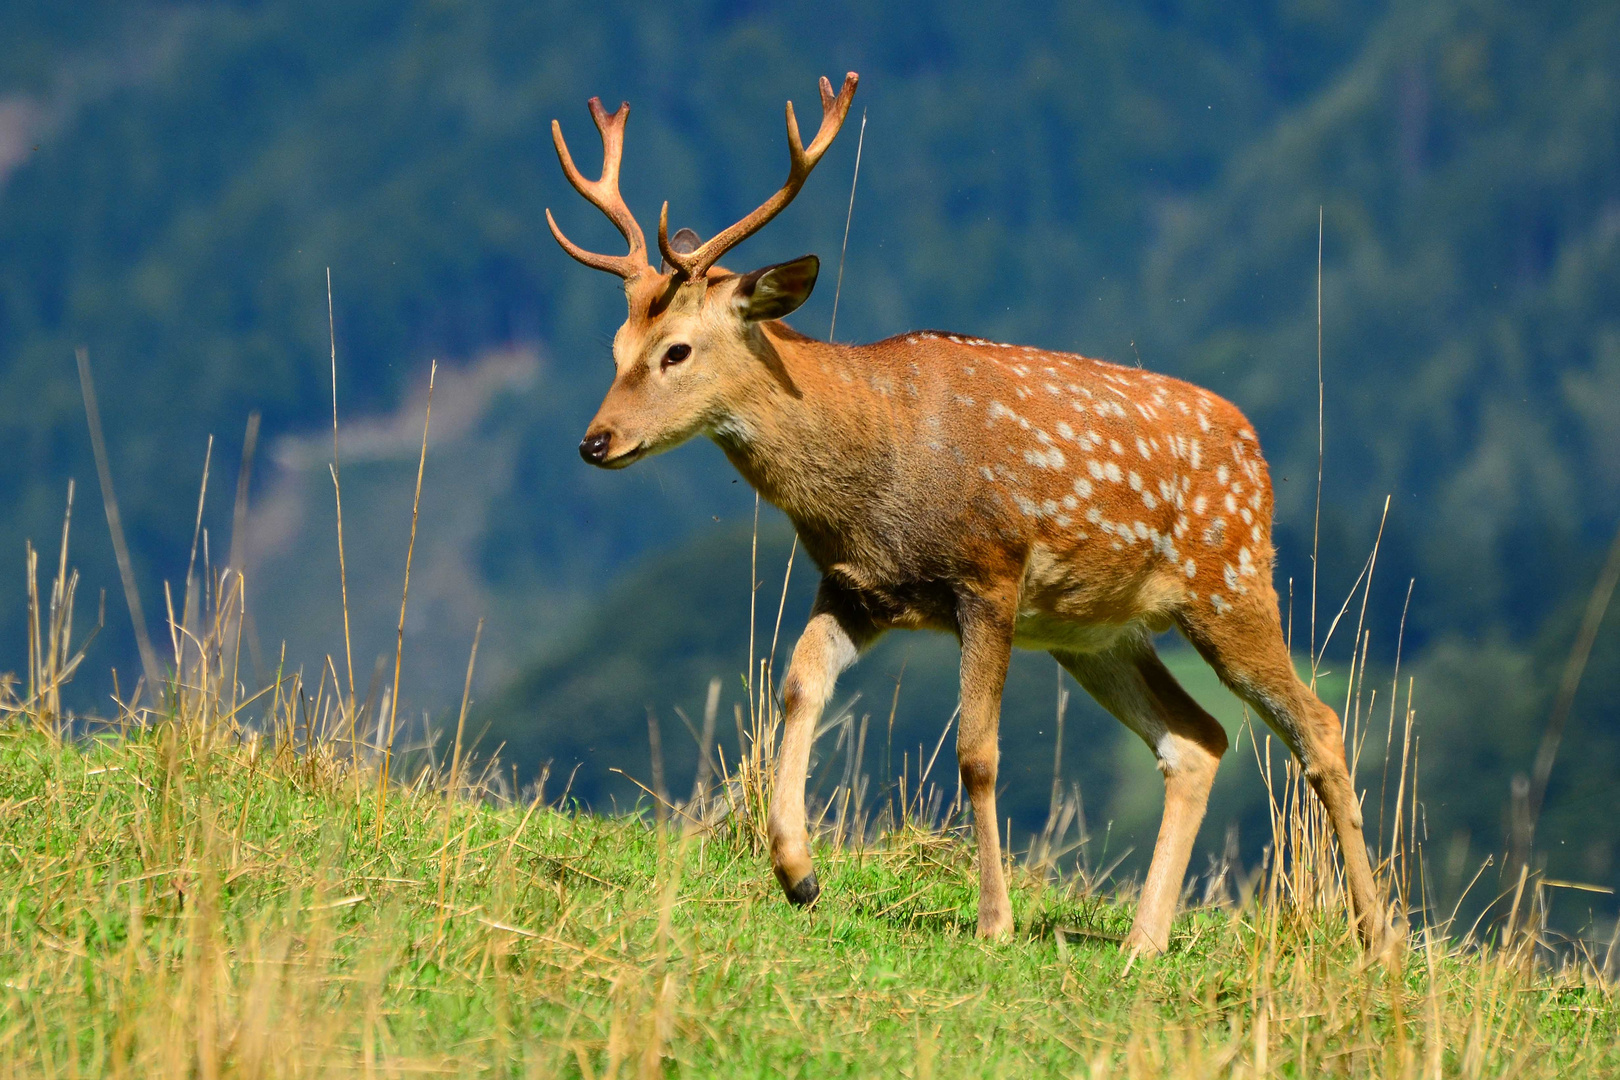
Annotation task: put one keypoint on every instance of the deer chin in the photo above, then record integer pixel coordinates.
(644, 448)
(626, 459)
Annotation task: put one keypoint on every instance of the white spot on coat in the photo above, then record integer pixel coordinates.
(1045, 459)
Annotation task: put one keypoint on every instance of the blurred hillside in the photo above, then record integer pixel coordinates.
(1128, 181)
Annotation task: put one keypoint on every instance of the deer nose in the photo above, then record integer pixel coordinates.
(594, 447)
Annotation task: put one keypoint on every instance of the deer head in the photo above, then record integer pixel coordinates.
(691, 341)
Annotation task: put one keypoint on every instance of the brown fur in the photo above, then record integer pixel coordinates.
(1011, 496)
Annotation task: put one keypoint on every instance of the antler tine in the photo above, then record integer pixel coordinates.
(801, 159)
(603, 194)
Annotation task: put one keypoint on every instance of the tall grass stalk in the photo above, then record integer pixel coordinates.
(115, 526)
(404, 599)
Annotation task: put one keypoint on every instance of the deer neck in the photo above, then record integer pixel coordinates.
(804, 430)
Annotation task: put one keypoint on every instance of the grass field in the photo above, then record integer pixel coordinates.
(177, 904)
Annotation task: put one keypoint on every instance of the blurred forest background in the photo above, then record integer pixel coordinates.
(1135, 181)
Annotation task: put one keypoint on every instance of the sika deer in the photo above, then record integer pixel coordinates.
(1007, 494)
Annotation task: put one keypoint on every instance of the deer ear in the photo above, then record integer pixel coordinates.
(685, 241)
(775, 292)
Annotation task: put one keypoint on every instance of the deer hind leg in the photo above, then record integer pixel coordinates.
(1131, 682)
(986, 627)
(1243, 642)
(830, 643)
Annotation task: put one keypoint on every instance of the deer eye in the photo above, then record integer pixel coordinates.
(675, 354)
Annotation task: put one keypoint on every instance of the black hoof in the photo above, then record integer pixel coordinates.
(805, 892)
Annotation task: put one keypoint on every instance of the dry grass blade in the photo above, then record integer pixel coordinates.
(337, 491)
(1597, 606)
(404, 599)
(188, 605)
(244, 478)
(849, 216)
(115, 525)
(1321, 444)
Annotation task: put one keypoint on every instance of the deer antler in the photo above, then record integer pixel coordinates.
(603, 194)
(801, 160)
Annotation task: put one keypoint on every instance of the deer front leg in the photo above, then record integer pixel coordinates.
(830, 643)
(986, 626)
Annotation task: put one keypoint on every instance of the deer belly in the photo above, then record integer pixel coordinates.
(1046, 632)
(1071, 608)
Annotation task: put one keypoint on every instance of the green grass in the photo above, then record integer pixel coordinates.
(175, 905)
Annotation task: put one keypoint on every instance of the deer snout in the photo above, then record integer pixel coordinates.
(594, 446)
(602, 447)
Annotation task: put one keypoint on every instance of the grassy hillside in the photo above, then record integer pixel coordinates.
(208, 885)
(180, 906)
